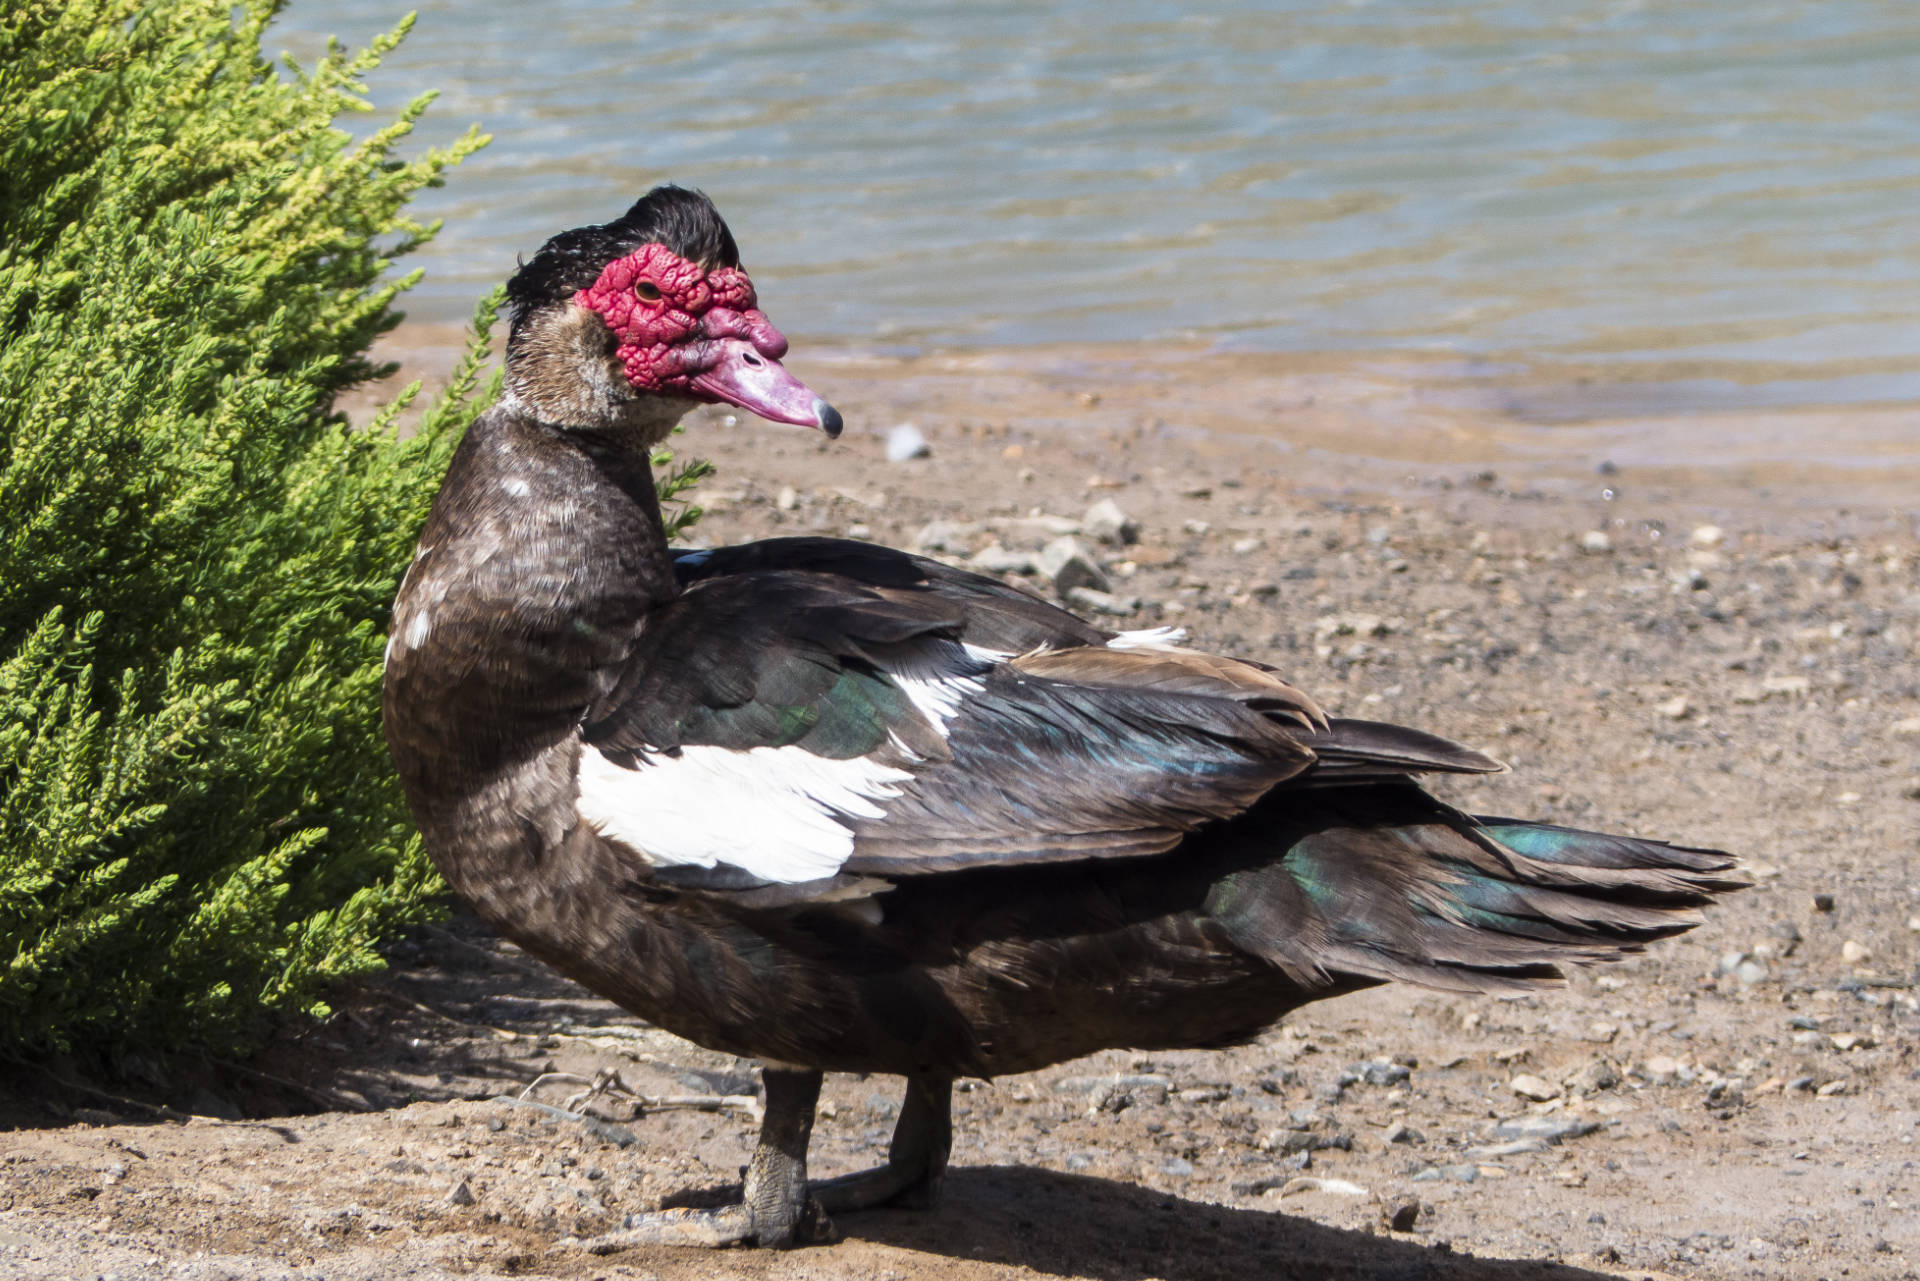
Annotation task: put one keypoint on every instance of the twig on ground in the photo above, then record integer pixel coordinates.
(616, 1134)
(547, 1077)
(608, 1083)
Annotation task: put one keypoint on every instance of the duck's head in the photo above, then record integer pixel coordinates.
(628, 324)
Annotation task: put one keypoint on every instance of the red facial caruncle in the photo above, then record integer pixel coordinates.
(696, 333)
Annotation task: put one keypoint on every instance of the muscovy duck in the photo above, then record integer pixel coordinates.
(840, 808)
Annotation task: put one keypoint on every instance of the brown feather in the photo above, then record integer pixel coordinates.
(1177, 670)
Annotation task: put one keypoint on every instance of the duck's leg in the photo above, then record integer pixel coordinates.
(916, 1159)
(775, 1210)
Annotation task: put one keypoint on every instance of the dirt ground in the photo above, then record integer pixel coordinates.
(1705, 648)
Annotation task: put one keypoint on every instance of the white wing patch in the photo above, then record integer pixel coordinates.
(773, 812)
(939, 678)
(1149, 638)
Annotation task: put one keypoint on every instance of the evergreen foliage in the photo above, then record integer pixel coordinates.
(198, 822)
(678, 513)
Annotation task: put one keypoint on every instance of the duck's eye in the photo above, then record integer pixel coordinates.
(648, 290)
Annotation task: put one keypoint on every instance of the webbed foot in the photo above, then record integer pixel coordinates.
(916, 1159)
(775, 1210)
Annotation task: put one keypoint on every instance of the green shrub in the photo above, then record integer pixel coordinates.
(198, 822)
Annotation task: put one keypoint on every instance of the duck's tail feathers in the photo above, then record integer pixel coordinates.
(1387, 883)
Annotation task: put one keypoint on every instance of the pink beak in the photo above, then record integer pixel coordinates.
(742, 376)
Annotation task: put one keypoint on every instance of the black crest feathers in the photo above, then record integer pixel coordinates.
(684, 221)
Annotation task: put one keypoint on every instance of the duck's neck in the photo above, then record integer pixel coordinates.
(564, 369)
(542, 555)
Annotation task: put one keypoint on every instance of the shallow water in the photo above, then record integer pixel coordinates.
(1603, 208)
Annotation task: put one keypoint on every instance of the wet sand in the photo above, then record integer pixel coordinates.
(1397, 428)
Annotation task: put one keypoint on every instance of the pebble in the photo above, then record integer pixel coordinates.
(1067, 565)
(1594, 1077)
(1854, 952)
(995, 559)
(1662, 1070)
(1676, 708)
(1550, 1130)
(1595, 542)
(1707, 537)
(1513, 1147)
(1136, 1081)
(1097, 602)
(954, 537)
(1464, 1173)
(1311, 1183)
(1328, 626)
(1528, 1086)
(1913, 923)
(1246, 546)
(1290, 1141)
(787, 499)
(1376, 1072)
(1823, 902)
(1403, 1216)
(1256, 1187)
(1035, 528)
(1908, 728)
(1287, 1142)
(461, 1194)
(1107, 523)
(905, 442)
(1178, 1167)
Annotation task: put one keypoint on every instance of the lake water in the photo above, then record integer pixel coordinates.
(1624, 205)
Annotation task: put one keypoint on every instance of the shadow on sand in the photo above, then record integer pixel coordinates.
(1074, 1225)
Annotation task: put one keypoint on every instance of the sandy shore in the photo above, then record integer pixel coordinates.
(1690, 658)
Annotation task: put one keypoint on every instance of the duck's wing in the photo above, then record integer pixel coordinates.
(996, 616)
(789, 726)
